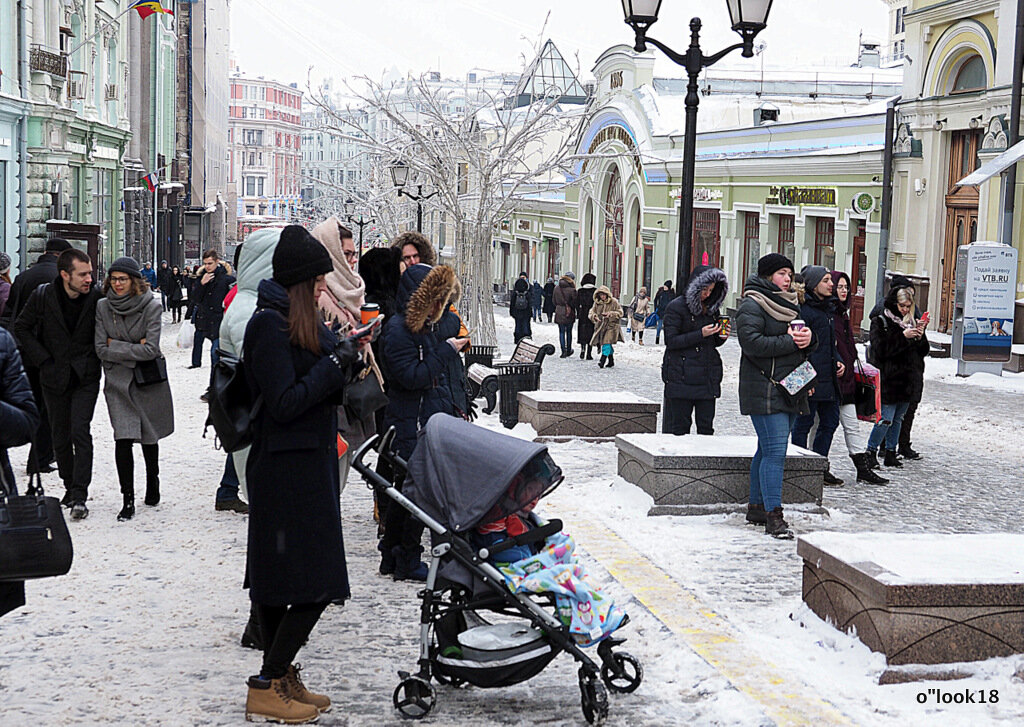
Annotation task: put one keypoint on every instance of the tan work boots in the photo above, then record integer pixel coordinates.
(270, 700)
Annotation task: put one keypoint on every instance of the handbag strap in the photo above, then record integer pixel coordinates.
(763, 372)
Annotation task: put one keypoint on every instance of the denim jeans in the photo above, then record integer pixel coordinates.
(828, 421)
(769, 461)
(536, 313)
(565, 336)
(197, 349)
(229, 484)
(657, 330)
(888, 427)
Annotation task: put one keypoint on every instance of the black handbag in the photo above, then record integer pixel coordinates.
(34, 539)
(150, 372)
(363, 397)
(865, 394)
(233, 405)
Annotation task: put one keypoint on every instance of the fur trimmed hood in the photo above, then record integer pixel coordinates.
(421, 289)
(701, 277)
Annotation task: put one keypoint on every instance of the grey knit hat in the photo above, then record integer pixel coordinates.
(571, 275)
(126, 265)
(813, 275)
(5, 262)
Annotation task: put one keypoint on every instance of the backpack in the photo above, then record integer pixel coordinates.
(233, 407)
(521, 301)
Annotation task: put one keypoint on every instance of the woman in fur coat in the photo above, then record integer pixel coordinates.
(606, 315)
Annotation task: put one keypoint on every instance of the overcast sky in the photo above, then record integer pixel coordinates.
(341, 38)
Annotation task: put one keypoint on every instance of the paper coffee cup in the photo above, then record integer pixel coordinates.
(368, 312)
(796, 324)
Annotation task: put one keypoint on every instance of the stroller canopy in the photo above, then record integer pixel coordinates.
(460, 471)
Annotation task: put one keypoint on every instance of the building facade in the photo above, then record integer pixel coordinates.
(264, 149)
(335, 160)
(14, 113)
(954, 114)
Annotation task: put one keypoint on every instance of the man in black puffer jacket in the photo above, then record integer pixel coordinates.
(208, 311)
(18, 420)
(692, 368)
(415, 360)
(818, 312)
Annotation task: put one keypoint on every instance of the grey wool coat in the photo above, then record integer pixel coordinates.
(140, 413)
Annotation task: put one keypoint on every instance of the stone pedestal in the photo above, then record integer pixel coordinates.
(919, 599)
(693, 474)
(597, 415)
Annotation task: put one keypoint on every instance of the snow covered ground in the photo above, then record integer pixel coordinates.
(144, 630)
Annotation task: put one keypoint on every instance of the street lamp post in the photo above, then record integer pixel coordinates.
(749, 17)
(400, 176)
(361, 222)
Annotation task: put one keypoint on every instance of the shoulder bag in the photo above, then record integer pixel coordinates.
(868, 392)
(34, 539)
(149, 372)
(363, 397)
(796, 384)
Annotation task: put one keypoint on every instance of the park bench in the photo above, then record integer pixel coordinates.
(519, 373)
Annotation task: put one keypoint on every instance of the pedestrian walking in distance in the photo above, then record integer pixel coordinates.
(692, 368)
(607, 316)
(662, 298)
(296, 556)
(208, 301)
(585, 326)
(56, 334)
(128, 338)
(549, 298)
(817, 310)
(898, 348)
(176, 294)
(639, 309)
(537, 300)
(565, 311)
(520, 309)
(771, 345)
(163, 283)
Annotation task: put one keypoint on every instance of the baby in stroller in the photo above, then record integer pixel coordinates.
(493, 557)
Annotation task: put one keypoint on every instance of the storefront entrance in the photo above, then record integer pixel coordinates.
(961, 216)
(859, 276)
(706, 247)
(612, 272)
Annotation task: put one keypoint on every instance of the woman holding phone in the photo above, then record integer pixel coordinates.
(692, 368)
(774, 343)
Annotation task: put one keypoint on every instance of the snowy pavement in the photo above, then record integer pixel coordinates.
(144, 630)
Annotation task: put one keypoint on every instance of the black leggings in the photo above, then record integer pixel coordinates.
(285, 629)
(125, 462)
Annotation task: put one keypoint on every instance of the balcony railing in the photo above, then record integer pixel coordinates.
(110, 92)
(41, 59)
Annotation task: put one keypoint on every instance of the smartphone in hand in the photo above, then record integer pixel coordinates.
(368, 330)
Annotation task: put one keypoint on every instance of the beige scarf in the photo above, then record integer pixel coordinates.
(345, 286)
(773, 308)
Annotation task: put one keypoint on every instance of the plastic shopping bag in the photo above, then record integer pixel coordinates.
(186, 334)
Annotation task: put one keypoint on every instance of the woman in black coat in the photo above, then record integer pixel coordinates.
(520, 308)
(691, 368)
(549, 298)
(176, 294)
(18, 421)
(296, 556)
(898, 348)
(415, 359)
(585, 326)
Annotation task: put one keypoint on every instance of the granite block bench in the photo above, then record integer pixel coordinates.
(919, 598)
(594, 415)
(697, 474)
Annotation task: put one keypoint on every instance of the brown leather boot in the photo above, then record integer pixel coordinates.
(299, 692)
(270, 701)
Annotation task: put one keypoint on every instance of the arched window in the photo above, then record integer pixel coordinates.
(613, 233)
(971, 76)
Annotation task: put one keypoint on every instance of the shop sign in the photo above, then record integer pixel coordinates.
(807, 196)
(105, 152)
(75, 148)
(987, 278)
(704, 194)
(506, 225)
(614, 133)
(864, 203)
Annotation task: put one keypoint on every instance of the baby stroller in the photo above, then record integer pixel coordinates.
(473, 628)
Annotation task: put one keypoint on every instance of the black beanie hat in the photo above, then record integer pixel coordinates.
(57, 244)
(298, 257)
(126, 265)
(772, 262)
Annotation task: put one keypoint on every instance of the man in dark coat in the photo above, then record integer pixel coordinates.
(415, 361)
(564, 299)
(692, 368)
(664, 296)
(18, 420)
(549, 298)
(209, 292)
(520, 308)
(818, 313)
(536, 300)
(55, 333)
(40, 456)
(164, 283)
(585, 326)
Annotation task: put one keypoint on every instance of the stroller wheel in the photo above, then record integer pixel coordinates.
(624, 674)
(593, 699)
(414, 697)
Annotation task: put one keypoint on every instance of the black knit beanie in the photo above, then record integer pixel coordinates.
(299, 257)
(772, 262)
(126, 265)
(813, 275)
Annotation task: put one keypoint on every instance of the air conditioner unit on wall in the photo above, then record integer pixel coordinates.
(77, 85)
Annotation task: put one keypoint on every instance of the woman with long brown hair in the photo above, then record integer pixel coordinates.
(128, 338)
(296, 557)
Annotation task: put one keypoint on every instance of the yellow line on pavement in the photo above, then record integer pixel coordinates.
(784, 700)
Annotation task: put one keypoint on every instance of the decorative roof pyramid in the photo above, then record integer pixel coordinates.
(547, 77)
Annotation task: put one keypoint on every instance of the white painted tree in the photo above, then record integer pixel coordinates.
(482, 156)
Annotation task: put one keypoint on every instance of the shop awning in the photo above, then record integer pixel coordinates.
(995, 166)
